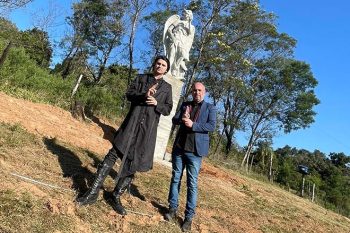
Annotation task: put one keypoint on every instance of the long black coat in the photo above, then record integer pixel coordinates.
(139, 128)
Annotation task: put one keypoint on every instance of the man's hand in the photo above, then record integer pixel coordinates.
(188, 122)
(151, 101)
(152, 90)
(186, 114)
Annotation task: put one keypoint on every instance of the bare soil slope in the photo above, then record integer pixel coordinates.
(53, 122)
(64, 152)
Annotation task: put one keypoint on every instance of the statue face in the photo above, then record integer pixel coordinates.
(186, 15)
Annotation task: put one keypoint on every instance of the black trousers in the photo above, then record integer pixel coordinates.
(112, 156)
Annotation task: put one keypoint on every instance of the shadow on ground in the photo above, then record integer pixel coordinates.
(81, 177)
(108, 131)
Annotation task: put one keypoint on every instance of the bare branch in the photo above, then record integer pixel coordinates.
(11, 4)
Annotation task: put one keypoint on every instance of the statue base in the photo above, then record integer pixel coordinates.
(165, 122)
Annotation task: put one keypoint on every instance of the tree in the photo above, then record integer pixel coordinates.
(283, 99)
(97, 30)
(35, 41)
(10, 4)
(136, 9)
(38, 46)
(154, 25)
(287, 174)
(5, 53)
(237, 41)
(339, 159)
(206, 13)
(328, 173)
(264, 157)
(10, 34)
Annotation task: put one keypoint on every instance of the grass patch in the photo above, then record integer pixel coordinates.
(231, 204)
(25, 213)
(12, 136)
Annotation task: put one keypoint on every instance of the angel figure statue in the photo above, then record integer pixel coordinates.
(178, 38)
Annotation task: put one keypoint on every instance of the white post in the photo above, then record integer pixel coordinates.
(313, 193)
(302, 186)
(270, 170)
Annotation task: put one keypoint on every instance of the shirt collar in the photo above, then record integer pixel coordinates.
(197, 104)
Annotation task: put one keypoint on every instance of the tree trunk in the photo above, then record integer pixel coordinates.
(251, 162)
(229, 130)
(131, 45)
(4, 54)
(67, 62)
(218, 143)
(247, 153)
(249, 150)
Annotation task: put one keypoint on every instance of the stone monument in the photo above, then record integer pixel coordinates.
(177, 38)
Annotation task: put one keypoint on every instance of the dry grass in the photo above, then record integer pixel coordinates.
(228, 201)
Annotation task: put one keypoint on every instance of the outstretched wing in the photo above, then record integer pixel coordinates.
(172, 20)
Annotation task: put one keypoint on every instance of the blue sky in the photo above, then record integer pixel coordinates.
(322, 31)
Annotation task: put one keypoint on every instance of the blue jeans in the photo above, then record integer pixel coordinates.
(180, 160)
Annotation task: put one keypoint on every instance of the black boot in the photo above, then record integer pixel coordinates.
(171, 216)
(122, 185)
(91, 195)
(186, 226)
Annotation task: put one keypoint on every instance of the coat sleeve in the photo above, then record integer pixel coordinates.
(164, 107)
(135, 93)
(209, 125)
(177, 118)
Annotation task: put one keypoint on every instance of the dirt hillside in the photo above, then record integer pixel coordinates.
(64, 152)
(53, 122)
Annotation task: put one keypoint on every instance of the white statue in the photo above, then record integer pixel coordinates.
(178, 38)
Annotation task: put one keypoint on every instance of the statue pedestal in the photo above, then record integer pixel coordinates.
(165, 123)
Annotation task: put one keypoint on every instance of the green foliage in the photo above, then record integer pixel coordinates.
(8, 31)
(106, 97)
(21, 77)
(332, 181)
(37, 45)
(154, 24)
(98, 29)
(12, 4)
(14, 135)
(329, 174)
(238, 52)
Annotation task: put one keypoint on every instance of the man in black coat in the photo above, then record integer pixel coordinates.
(150, 96)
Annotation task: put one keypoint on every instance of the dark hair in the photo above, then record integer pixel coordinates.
(162, 57)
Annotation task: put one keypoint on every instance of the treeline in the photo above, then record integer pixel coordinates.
(328, 175)
(25, 58)
(247, 65)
